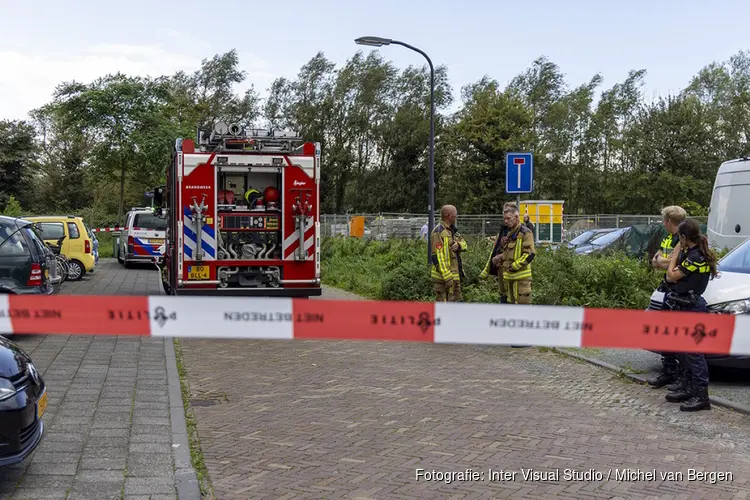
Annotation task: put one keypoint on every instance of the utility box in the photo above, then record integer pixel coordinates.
(547, 217)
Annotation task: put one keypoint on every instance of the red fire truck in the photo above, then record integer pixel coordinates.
(243, 214)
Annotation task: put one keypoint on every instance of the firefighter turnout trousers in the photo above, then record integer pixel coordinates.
(517, 256)
(445, 271)
(448, 292)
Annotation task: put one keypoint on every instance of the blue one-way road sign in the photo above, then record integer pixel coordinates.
(519, 172)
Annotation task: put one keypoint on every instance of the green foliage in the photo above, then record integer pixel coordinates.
(397, 270)
(97, 147)
(12, 208)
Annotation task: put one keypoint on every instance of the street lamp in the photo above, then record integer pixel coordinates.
(376, 41)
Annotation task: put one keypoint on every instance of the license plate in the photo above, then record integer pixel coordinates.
(198, 273)
(41, 405)
(156, 241)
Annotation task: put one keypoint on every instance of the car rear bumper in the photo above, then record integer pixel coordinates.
(31, 290)
(131, 257)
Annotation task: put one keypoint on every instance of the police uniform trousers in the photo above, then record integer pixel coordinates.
(669, 360)
(444, 293)
(694, 365)
(518, 291)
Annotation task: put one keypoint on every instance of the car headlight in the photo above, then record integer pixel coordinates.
(733, 307)
(7, 390)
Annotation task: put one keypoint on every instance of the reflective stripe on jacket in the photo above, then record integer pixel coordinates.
(518, 254)
(446, 264)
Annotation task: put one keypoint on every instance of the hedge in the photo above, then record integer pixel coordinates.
(397, 270)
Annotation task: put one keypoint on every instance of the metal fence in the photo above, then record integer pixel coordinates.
(383, 226)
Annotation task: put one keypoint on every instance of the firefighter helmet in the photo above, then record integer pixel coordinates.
(251, 197)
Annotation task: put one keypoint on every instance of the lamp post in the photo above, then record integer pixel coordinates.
(375, 41)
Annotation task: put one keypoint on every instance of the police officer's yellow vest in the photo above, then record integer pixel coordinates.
(667, 244)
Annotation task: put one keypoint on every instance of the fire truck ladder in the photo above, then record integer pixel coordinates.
(222, 137)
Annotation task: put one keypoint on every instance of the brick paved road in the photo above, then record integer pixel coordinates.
(108, 431)
(355, 420)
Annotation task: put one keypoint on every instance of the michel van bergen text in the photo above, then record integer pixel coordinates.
(522, 474)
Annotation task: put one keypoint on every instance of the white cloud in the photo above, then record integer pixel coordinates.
(31, 78)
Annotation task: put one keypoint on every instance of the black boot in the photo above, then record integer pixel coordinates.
(682, 394)
(668, 375)
(681, 381)
(680, 385)
(698, 401)
(677, 386)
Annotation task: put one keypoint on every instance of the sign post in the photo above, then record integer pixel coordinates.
(519, 174)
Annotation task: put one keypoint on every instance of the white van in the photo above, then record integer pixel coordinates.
(143, 237)
(728, 216)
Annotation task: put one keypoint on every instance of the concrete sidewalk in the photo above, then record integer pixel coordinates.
(109, 432)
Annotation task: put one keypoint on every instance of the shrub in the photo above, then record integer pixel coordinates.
(397, 270)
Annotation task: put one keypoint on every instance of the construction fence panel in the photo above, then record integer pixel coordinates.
(386, 225)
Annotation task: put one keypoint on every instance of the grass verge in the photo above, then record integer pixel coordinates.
(196, 454)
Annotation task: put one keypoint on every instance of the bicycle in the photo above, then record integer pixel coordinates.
(61, 261)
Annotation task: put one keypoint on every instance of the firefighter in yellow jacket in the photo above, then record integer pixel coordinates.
(494, 260)
(446, 246)
(517, 253)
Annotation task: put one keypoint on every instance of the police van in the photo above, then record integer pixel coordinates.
(142, 239)
(728, 217)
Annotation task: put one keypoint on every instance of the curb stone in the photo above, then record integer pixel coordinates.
(185, 477)
(718, 401)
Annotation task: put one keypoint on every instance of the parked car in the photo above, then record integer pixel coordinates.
(78, 246)
(23, 401)
(729, 293)
(94, 244)
(25, 261)
(586, 236)
(144, 235)
(602, 241)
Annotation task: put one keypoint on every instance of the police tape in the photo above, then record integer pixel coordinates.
(441, 322)
(115, 229)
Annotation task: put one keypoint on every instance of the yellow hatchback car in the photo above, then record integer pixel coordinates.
(77, 245)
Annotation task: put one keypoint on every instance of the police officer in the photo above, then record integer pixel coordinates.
(672, 217)
(692, 265)
(493, 262)
(446, 245)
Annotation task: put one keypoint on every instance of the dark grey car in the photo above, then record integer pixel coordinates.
(25, 262)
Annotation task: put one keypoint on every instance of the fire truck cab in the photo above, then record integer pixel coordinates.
(242, 210)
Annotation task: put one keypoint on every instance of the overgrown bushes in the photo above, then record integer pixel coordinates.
(397, 270)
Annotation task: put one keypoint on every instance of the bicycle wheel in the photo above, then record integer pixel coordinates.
(62, 269)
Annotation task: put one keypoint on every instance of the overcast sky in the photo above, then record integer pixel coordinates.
(44, 43)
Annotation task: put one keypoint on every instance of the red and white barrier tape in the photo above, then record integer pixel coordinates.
(443, 323)
(114, 229)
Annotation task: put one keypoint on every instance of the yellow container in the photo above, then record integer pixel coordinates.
(547, 217)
